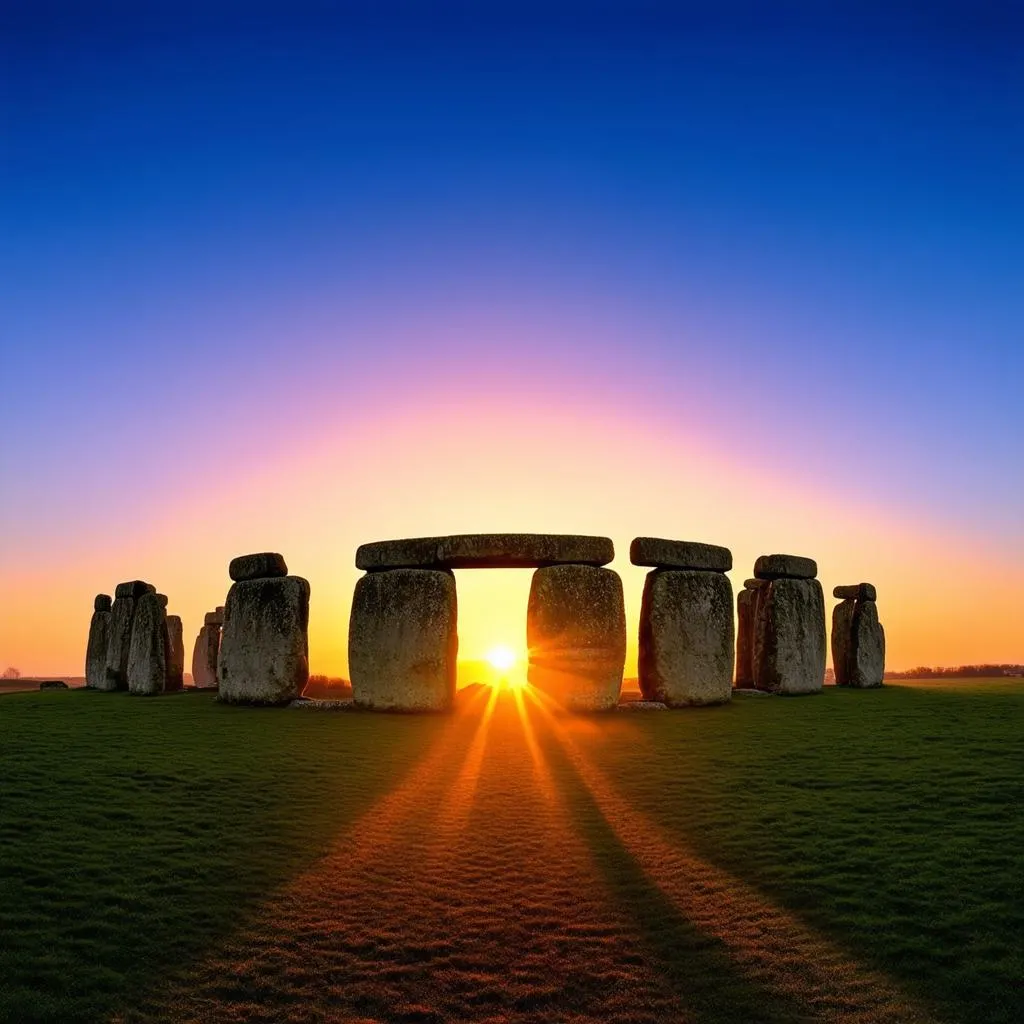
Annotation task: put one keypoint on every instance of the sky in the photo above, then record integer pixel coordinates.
(295, 277)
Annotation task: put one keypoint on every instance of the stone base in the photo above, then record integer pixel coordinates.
(403, 640)
(264, 651)
(576, 633)
(686, 638)
(789, 637)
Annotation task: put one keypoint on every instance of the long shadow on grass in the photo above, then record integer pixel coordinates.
(696, 965)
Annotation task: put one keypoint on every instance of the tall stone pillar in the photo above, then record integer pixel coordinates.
(403, 640)
(576, 634)
(96, 649)
(149, 648)
(122, 613)
(175, 654)
(746, 616)
(789, 628)
(206, 651)
(858, 639)
(687, 634)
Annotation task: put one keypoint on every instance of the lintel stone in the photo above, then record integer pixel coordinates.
(261, 566)
(856, 591)
(679, 554)
(485, 551)
(774, 567)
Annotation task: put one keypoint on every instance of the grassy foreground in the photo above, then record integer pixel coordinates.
(854, 856)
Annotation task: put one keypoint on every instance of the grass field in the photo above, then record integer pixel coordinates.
(854, 856)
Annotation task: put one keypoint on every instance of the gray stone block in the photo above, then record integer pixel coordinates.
(485, 551)
(861, 591)
(789, 637)
(101, 603)
(133, 589)
(686, 638)
(115, 675)
(260, 566)
(842, 640)
(867, 661)
(264, 646)
(746, 601)
(775, 567)
(175, 654)
(576, 634)
(148, 653)
(679, 554)
(205, 655)
(96, 647)
(403, 640)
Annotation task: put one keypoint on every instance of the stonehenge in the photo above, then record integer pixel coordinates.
(149, 648)
(576, 635)
(175, 654)
(858, 639)
(206, 651)
(746, 615)
(122, 613)
(686, 622)
(96, 648)
(264, 647)
(789, 626)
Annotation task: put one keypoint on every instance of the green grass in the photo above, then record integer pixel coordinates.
(137, 837)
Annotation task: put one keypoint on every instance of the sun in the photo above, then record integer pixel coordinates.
(501, 658)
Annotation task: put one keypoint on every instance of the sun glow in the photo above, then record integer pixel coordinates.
(504, 660)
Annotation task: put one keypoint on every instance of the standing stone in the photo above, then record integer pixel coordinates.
(205, 655)
(576, 633)
(789, 637)
(175, 654)
(842, 640)
(96, 649)
(125, 595)
(403, 640)
(150, 647)
(746, 614)
(686, 638)
(264, 649)
(867, 658)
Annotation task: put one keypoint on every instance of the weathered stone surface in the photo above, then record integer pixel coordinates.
(148, 653)
(261, 566)
(162, 598)
(101, 603)
(115, 675)
(96, 647)
(219, 612)
(746, 601)
(686, 638)
(862, 591)
(133, 589)
(264, 647)
(842, 640)
(175, 654)
(679, 554)
(403, 640)
(776, 567)
(485, 551)
(204, 657)
(867, 661)
(576, 634)
(213, 619)
(789, 637)
(54, 684)
(755, 584)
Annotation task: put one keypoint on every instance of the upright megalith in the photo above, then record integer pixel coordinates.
(115, 676)
(789, 627)
(96, 648)
(264, 649)
(858, 639)
(576, 634)
(746, 616)
(686, 623)
(175, 654)
(403, 640)
(149, 650)
(206, 651)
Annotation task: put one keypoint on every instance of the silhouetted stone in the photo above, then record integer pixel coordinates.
(264, 652)
(54, 684)
(867, 658)
(175, 654)
(576, 634)
(115, 676)
(485, 551)
(148, 653)
(842, 640)
(746, 613)
(679, 554)
(789, 637)
(861, 591)
(205, 655)
(775, 567)
(403, 640)
(96, 647)
(686, 638)
(133, 589)
(213, 619)
(260, 566)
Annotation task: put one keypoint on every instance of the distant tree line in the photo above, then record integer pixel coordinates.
(957, 672)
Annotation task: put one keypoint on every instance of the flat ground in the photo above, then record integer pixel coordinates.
(854, 857)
